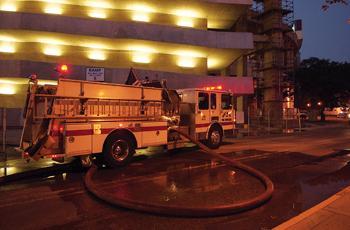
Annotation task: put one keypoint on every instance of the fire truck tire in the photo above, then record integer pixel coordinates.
(118, 150)
(214, 137)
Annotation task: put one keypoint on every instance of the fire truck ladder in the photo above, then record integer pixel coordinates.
(80, 107)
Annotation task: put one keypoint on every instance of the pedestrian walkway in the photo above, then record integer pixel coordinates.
(333, 213)
(14, 164)
(319, 140)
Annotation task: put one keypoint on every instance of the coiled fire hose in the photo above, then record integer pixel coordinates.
(175, 210)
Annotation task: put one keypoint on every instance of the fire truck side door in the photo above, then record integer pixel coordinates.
(202, 112)
(227, 111)
(215, 107)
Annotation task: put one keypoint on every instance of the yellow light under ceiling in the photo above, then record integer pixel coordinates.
(141, 8)
(141, 57)
(51, 41)
(140, 12)
(97, 55)
(140, 17)
(57, 1)
(186, 13)
(141, 48)
(97, 4)
(186, 62)
(7, 89)
(97, 13)
(186, 17)
(53, 9)
(52, 51)
(190, 53)
(97, 46)
(7, 47)
(185, 22)
(8, 39)
(19, 81)
(8, 6)
(212, 63)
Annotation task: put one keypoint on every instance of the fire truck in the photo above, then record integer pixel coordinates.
(82, 119)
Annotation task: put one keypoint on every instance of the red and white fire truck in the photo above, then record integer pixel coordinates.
(80, 118)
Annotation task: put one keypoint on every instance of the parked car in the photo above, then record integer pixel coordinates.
(332, 111)
(343, 114)
(340, 112)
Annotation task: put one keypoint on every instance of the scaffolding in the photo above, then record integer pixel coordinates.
(258, 6)
(276, 10)
(288, 9)
(273, 60)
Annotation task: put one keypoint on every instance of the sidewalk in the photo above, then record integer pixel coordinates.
(318, 139)
(16, 165)
(333, 213)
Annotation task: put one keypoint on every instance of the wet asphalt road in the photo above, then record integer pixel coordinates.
(185, 178)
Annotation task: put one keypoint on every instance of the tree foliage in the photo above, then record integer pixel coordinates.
(328, 3)
(322, 80)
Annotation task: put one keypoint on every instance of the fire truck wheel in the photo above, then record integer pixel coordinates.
(214, 137)
(118, 151)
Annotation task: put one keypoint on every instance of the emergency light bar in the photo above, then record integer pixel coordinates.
(214, 88)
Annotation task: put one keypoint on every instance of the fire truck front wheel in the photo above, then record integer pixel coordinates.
(214, 137)
(118, 150)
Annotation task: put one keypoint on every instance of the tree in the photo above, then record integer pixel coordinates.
(321, 80)
(328, 3)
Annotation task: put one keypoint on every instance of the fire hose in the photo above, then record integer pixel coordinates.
(175, 210)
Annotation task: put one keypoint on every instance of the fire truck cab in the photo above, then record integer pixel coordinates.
(81, 118)
(208, 112)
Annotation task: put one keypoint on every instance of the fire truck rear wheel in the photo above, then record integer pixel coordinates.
(118, 150)
(214, 137)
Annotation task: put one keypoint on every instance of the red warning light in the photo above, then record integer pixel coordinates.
(219, 87)
(64, 68)
(61, 129)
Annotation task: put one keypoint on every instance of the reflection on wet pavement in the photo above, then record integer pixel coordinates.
(189, 185)
(184, 178)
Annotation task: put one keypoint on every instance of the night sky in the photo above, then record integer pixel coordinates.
(326, 33)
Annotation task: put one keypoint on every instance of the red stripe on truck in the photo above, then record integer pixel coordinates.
(84, 132)
(226, 123)
(208, 124)
(108, 130)
(133, 129)
(155, 128)
(202, 125)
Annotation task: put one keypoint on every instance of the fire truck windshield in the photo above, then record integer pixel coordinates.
(203, 101)
(226, 101)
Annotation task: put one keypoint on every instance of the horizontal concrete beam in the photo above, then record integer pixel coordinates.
(238, 85)
(141, 31)
(243, 2)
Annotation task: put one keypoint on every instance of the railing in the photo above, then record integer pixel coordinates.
(52, 106)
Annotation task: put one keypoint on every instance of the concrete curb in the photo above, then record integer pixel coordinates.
(42, 172)
(292, 223)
